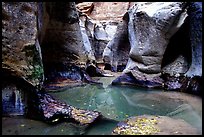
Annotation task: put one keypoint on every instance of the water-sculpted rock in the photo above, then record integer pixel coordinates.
(101, 24)
(65, 46)
(21, 98)
(22, 62)
(153, 125)
(150, 27)
(116, 51)
(189, 40)
(195, 17)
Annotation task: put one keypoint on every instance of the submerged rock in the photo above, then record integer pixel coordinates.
(54, 111)
(129, 79)
(153, 125)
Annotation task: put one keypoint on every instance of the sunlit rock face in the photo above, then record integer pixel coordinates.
(100, 20)
(21, 54)
(117, 50)
(150, 26)
(114, 11)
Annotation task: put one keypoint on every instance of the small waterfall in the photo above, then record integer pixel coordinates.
(19, 106)
(13, 101)
(106, 82)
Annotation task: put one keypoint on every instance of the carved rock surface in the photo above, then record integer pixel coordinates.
(101, 22)
(195, 17)
(150, 26)
(21, 54)
(63, 39)
(117, 50)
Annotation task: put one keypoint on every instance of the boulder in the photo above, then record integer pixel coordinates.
(154, 125)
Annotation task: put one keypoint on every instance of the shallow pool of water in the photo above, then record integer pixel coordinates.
(115, 103)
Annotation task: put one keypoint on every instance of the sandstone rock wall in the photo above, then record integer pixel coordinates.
(104, 18)
(21, 52)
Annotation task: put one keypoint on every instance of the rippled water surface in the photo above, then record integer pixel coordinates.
(115, 103)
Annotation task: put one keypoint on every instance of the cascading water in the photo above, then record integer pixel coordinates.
(19, 106)
(13, 101)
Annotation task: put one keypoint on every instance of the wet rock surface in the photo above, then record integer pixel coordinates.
(68, 47)
(153, 125)
(129, 79)
(70, 75)
(57, 111)
(36, 104)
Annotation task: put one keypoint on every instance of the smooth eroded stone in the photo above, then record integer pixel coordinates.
(117, 50)
(62, 76)
(195, 17)
(150, 26)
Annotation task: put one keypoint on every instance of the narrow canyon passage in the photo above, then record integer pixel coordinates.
(88, 68)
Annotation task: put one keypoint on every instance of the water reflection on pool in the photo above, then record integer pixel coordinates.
(116, 103)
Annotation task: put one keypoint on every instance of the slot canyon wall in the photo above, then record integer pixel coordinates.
(48, 45)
